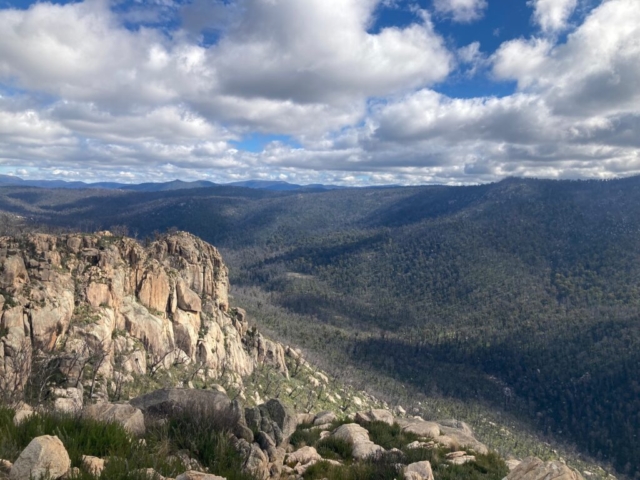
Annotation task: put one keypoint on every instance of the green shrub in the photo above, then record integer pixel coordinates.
(379, 469)
(304, 437)
(204, 436)
(334, 448)
(80, 436)
(205, 433)
(389, 436)
(486, 467)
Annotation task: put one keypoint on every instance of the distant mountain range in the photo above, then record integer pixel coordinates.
(280, 186)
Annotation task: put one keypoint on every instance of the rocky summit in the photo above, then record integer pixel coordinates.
(103, 339)
(120, 309)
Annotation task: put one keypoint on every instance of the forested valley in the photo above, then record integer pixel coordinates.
(523, 294)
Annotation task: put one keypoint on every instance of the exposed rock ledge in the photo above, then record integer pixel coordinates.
(113, 306)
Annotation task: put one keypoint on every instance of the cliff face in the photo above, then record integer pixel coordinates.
(113, 306)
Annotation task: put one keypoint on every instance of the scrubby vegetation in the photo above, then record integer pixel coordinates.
(388, 466)
(486, 467)
(388, 436)
(195, 433)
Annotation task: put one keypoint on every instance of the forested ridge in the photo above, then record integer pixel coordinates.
(534, 283)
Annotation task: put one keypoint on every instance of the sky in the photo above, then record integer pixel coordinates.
(349, 92)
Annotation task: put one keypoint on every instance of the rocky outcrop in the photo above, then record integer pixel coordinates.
(535, 469)
(110, 304)
(449, 433)
(45, 457)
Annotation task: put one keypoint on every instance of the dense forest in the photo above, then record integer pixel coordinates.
(523, 293)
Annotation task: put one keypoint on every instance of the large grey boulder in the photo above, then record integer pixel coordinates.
(210, 404)
(359, 438)
(129, 417)
(376, 415)
(273, 418)
(323, 418)
(172, 400)
(419, 427)
(284, 416)
(44, 458)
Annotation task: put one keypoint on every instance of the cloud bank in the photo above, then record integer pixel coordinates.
(86, 95)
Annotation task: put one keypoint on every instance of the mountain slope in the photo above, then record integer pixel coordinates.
(522, 293)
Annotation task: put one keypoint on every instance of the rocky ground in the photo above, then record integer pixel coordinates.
(275, 442)
(91, 323)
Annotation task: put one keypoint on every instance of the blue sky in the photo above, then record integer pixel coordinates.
(323, 91)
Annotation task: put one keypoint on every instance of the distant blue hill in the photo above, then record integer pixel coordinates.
(278, 186)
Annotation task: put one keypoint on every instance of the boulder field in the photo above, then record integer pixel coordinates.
(261, 434)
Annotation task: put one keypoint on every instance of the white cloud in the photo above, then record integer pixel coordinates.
(552, 15)
(463, 11)
(146, 104)
(471, 57)
(596, 71)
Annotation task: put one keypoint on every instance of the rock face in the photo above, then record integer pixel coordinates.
(44, 457)
(110, 303)
(535, 469)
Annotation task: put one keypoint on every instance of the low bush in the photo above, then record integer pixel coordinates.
(80, 436)
(333, 448)
(486, 467)
(303, 436)
(388, 436)
(379, 469)
(204, 435)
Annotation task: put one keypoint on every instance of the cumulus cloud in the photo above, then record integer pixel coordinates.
(100, 101)
(552, 15)
(463, 11)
